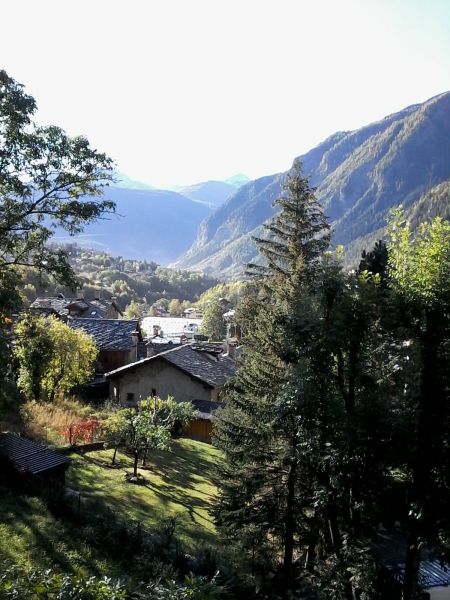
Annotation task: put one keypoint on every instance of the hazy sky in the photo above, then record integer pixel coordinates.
(180, 91)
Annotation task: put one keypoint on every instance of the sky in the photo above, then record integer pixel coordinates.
(182, 91)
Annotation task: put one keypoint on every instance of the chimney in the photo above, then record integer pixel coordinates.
(80, 294)
(231, 349)
(156, 329)
(150, 350)
(134, 346)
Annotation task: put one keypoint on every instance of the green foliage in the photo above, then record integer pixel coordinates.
(42, 585)
(53, 358)
(419, 269)
(302, 469)
(213, 324)
(33, 350)
(47, 179)
(420, 265)
(133, 310)
(232, 291)
(136, 282)
(175, 308)
(149, 426)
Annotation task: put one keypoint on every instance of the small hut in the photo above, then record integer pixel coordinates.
(26, 462)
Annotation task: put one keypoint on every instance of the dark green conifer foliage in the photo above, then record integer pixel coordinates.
(259, 429)
(302, 467)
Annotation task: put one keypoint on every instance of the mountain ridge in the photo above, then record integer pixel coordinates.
(359, 176)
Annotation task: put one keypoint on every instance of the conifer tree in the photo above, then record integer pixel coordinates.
(302, 465)
(260, 428)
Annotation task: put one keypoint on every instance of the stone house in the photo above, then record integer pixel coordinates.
(190, 372)
(119, 341)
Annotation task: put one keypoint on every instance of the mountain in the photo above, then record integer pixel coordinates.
(213, 193)
(156, 225)
(359, 175)
(238, 180)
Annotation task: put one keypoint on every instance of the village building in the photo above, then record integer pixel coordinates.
(67, 308)
(172, 328)
(434, 574)
(119, 341)
(191, 372)
(192, 313)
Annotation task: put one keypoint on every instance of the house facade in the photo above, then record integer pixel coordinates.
(191, 372)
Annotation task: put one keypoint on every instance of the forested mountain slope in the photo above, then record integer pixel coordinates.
(360, 175)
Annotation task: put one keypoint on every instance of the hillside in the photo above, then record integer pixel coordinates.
(156, 225)
(359, 175)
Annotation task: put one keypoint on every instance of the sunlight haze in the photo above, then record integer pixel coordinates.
(179, 92)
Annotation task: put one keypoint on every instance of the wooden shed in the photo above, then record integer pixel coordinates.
(24, 461)
(200, 428)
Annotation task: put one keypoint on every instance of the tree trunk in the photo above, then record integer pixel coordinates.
(113, 462)
(144, 457)
(289, 530)
(412, 565)
(431, 415)
(135, 466)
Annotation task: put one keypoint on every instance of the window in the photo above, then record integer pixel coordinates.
(153, 392)
(130, 397)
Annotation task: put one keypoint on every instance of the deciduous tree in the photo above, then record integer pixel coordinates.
(419, 271)
(213, 324)
(150, 425)
(47, 180)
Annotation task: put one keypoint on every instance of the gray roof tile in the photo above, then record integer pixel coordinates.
(204, 364)
(109, 334)
(28, 455)
(86, 308)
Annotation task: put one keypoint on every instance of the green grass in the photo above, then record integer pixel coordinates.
(32, 537)
(177, 483)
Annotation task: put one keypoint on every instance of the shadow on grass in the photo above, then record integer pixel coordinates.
(42, 540)
(174, 480)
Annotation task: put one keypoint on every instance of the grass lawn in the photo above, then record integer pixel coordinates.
(177, 483)
(32, 537)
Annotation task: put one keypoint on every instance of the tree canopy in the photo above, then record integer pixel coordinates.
(53, 358)
(47, 180)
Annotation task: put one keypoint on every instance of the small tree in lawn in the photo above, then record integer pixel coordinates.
(115, 431)
(149, 426)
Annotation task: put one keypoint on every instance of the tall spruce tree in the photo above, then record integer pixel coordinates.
(260, 428)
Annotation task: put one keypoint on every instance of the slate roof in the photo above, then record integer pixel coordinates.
(60, 305)
(391, 550)
(30, 456)
(202, 364)
(109, 334)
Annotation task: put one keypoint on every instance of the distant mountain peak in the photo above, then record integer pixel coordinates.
(237, 180)
(124, 182)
